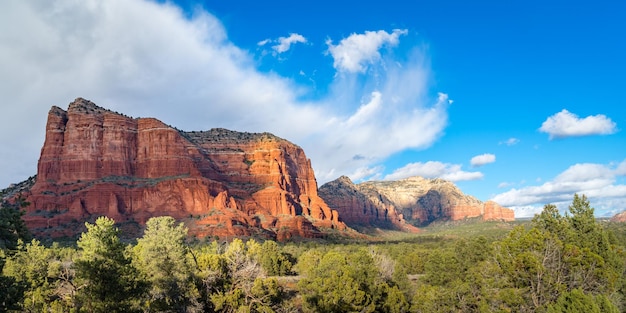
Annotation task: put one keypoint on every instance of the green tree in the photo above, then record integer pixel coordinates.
(273, 261)
(161, 255)
(108, 280)
(462, 275)
(533, 261)
(233, 280)
(577, 301)
(29, 267)
(341, 282)
(11, 291)
(12, 227)
(395, 301)
(12, 231)
(560, 254)
(442, 268)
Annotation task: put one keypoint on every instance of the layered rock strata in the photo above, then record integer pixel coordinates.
(224, 183)
(417, 201)
(361, 210)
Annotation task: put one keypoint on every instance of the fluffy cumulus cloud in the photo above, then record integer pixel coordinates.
(483, 159)
(434, 169)
(144, 58)
(567, 124)
(599, 182)
(354, 53)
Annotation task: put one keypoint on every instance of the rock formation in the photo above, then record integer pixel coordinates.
(362, 210)
(619, 217)
(223, 183)
(416, 200)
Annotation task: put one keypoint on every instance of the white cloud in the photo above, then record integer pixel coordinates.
(482, 159)
(367, 111)
(566, 124)
(284, 43)
(505, 184)
(596, 181)
(353, 53)
(366, 173)
(147, 59)
(264, 42)
(434, 169)
(510, 142)
(526, 211)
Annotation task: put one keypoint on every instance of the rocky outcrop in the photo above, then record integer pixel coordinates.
(416, 200)
(358, 209)
(619, 217)
(222, 183)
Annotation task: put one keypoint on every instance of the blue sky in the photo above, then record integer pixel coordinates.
(519, 102)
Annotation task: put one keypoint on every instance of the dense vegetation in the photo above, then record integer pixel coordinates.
(556, 263)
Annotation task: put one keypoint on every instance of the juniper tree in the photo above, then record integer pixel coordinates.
(161, 257)
(108, 281)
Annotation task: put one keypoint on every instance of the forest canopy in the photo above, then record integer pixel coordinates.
(555, 263)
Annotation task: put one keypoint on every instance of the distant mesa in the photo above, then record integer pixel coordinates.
(407, 203)
(221, 183)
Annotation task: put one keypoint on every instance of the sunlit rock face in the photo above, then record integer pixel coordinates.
(220, 182)
(361, 209)
(620, 217)
(416, 200)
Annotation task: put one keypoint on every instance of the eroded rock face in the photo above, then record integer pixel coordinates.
(357, 208)
(415, 200)
(223, 183)
(619, 217)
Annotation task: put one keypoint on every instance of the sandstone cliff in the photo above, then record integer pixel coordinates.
(416, 200)
(358, 209)
(224, 183)
(619, 217)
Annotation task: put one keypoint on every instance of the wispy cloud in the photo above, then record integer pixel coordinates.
(185, 71)
(483, 159)
(566, 124)
(505, 184)
(596, 181)
(354, 53)
(284, 43)
(434, 169)
(510, 142)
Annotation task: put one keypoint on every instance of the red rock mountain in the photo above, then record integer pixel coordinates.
(361, 210)
(619, 217)
(222, 183)
(416, 200)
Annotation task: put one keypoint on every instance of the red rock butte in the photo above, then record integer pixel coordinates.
(223, 183)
